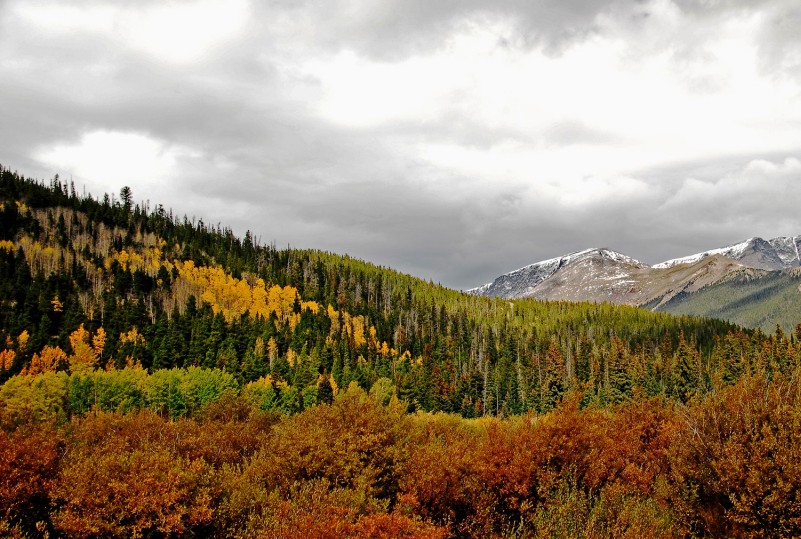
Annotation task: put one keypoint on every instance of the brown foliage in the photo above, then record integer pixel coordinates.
(737, 460)
(29, 459)
(131, 494)
(316, 510)
(507, 473)
(439, 483)
(138, 474)
(352, 443)
(726, 465)
(122, 476)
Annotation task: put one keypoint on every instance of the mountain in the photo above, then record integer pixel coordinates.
(524, 281)
(776, 254)
(753, 283)
(751, 298)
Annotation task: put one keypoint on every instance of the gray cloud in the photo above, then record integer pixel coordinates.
(394, 29)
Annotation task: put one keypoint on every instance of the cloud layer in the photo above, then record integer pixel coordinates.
(455, 140)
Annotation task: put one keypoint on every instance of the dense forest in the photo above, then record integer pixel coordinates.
(164, 377)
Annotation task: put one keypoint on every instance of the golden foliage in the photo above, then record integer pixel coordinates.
(132, 336)
(99, 341)
(234, 297)
(22, 341)
(7, 359)
(50, 359)
(84, 357)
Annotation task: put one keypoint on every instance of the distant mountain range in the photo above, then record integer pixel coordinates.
(754, 283)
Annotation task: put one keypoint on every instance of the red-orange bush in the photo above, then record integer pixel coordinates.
(736, 462)
(29, 460)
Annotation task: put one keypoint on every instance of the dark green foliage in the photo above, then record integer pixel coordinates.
(325, 393)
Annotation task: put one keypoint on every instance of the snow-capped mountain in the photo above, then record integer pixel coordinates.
(776, 254)
(727, 277)
(523, 282)
(788, 249)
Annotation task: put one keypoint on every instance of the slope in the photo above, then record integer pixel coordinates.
(752, 299)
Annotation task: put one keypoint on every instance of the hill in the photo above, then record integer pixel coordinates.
(105, 284)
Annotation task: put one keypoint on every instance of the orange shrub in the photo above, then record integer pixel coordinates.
(29, 459)
(736, 461)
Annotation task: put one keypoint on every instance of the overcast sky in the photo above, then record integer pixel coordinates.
(452, 139)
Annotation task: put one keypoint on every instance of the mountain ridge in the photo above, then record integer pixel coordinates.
(777, 253)
(604, 275)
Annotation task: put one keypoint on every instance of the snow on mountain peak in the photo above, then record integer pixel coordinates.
(521, 281)
(600, 267)
(777, 253)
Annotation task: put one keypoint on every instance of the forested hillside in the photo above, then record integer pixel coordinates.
(162, 377)
(109, 283)
(752, 298)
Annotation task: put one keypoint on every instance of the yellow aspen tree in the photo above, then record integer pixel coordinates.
(312, 306)
(258, 305)
(99, 341)
(372, 339)
(134, 338)
(50, 359)
(258, 347)
(83, 358)
(22, 341)
(272, 351)
(288, 296)
(7, 359)
(291, 357)
(358, 331)
(334, 316)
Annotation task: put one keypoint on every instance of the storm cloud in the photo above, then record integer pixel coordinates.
(454, 140)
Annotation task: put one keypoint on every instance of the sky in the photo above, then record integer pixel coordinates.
(454, 140)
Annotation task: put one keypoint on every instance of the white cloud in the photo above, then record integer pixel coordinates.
(106, 160)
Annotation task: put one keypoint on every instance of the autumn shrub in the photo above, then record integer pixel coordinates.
(330, 471)
(318, 510)
(439, 482)
(488, 480)
(352, 443)
(131, 494)
(494, 480)
(736, 462)
(123, 476)
(629, 446)
(570, 511)
(29, 460)
(227, 432)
